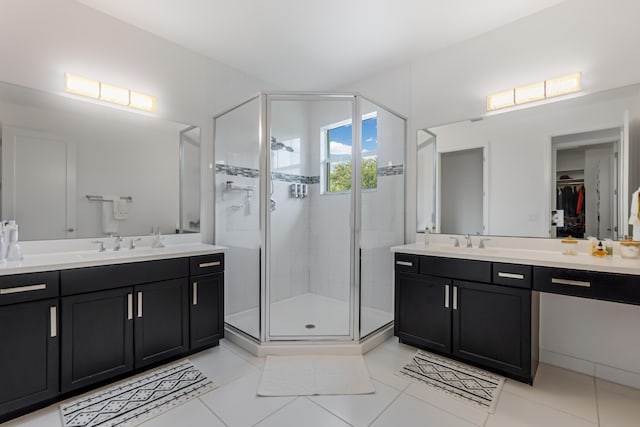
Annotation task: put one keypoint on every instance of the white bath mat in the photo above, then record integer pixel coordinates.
(467, 383)
(314, 375)
(135, 401)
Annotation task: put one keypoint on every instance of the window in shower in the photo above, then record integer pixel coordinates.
(338, 143)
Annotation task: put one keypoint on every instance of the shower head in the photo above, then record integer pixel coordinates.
(275, 145)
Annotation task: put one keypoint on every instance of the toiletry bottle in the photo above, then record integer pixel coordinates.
(601, 249)
(13, 250)
(608, 243)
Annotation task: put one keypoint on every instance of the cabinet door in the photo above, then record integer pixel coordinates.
(492, 327)
(28, 354)
(97, 340)
(422, 311)
(162, 321)
(207, 316)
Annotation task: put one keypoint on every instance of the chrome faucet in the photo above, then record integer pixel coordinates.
(132, 243)
(469, 243)
(482, 246)
(101, 247)
(456, 242)
(116, 243)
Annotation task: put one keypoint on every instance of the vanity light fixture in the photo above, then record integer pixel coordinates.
(114, 94)
(563, 85)
(82, 86)
(109, 93)
(529, 93)
(534, 92)
(501, 100)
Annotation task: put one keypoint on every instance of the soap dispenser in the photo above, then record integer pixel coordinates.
(13, 249)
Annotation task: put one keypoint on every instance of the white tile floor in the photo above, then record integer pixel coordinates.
(559, 398)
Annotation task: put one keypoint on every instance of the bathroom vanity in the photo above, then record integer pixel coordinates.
(481, 306)
(69, 326)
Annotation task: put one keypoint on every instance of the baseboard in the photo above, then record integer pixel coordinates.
(591, 368)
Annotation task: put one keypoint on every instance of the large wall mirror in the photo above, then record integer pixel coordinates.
(78, 169)
(563, 168)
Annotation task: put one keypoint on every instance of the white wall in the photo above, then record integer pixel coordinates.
(41, 40)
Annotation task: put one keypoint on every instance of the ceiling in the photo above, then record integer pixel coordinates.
(321, 44)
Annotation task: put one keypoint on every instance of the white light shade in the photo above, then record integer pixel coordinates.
(114, 94)
(563, 85)
(530, 93)
(82, 86)
(142, 101)
(500, 100)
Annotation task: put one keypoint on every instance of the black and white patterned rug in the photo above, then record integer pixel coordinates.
(472, 385)
(137, 399)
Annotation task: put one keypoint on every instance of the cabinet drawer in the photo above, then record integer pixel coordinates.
(515, 275)
(100, 278)
(454, 268)
(588, 284)
(28, 287)
(407, 263)
(206, 264)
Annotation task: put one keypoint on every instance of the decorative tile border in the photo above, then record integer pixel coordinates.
(301, 179)
(391, 170)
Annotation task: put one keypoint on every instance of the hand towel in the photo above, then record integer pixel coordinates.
(109, 224)
(634, 214)
(120, 209)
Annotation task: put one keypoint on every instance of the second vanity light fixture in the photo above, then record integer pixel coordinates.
(534, 92)
(109, 93)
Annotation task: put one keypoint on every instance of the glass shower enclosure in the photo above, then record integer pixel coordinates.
(309, 200)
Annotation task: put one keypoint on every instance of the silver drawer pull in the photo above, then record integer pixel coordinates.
(195, 293)
(129, 306)
(455, 297)
(29, 288)
(405, 263)
(139, 303)
(511, 275)
(209, 264)
(53, 316)
(570, 282)
(446, 296)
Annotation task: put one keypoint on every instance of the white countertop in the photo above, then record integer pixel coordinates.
(32, 263)
(608, 264)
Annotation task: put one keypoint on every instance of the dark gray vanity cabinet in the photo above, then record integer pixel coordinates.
(161, 321)
(421, 315)
(97, 343)
(207, 300)
(29, 333)
(450, 306)
(121, 317)
(492, 327)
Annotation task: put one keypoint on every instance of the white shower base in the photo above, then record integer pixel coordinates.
(290, 317)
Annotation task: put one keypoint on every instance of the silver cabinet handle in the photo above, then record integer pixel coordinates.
(511, 275)
(570, 282)
(405, 263)
(53, 316)
(455, 297)
(446, 296)
(28, 288)
(129, 306)
(209, 264)
(195, 293)
(139, 303)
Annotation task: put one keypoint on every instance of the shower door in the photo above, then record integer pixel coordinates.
(310, 279)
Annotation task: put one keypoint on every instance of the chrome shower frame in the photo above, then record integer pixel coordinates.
(355, 220)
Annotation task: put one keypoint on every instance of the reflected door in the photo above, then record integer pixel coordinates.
(38, 173)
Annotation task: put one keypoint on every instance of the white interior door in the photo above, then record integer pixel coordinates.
(38, 176)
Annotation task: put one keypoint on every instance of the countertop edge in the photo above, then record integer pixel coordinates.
(174, 251)
(612, 264)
